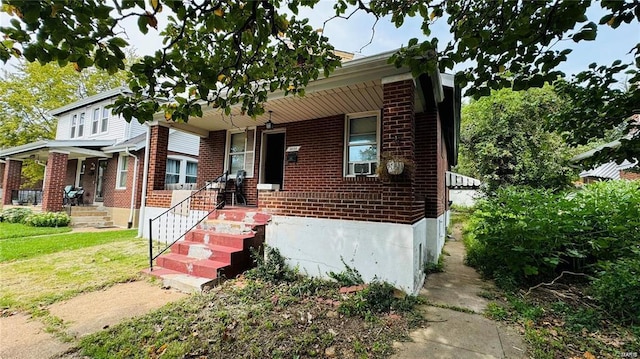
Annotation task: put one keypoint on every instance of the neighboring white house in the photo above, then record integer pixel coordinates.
(463, 190)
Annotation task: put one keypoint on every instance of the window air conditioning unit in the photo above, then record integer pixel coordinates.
(364, 168)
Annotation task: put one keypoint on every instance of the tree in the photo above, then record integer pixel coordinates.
(227, 52)
(29, 93)
(503, 140)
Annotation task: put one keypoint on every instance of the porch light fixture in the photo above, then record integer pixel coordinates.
(269, 124)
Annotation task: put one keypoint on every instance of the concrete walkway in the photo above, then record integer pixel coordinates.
(453, 330)
(23, 337)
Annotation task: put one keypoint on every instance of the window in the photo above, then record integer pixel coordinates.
(173, 172)
(123, 167)
(95, 120)
(105, 119)
(81, 125)
(362, 144)
(241, 152)
(74, 123)
(192, 172)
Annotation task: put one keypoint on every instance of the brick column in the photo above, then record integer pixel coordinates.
(11, 179)
(398, 138)
(158, 157)
(54, 182)
(211, 157)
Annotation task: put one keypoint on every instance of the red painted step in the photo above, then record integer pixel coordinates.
(221, 239)
(241, 215)
(205, 251)
(204, 268)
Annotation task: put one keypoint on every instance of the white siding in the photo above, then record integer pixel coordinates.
(135, 128)
(64, 125)
(184, 142)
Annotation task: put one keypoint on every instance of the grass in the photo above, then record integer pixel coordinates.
(29, 247)
(73, 263)
(250, 318)
(19, 230)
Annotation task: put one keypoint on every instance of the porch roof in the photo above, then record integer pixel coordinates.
(354, 87)
(40, 150)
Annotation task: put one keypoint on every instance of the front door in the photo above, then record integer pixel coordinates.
(102, 169)
(274, 158)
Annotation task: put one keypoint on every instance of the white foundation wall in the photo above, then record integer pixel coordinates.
(436, 229)
(390, 252)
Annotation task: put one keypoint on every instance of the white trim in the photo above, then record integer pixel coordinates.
(60, 151)
(119, 171)
(79, 170)
(345, 157)
(228, 147)
(397, 78)
(263, 149)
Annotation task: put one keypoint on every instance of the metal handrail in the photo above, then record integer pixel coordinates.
(181, 218)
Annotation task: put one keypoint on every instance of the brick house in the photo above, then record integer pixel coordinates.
(103, 154)
(311, 164)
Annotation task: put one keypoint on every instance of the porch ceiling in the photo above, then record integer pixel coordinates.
(349, 99)
(40, 150)
(351, 89)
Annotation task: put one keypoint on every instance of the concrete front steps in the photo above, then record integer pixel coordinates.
(218, 248)
(90, 216)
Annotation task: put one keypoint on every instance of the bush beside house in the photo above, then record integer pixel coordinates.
(524, 236)
(28, 217)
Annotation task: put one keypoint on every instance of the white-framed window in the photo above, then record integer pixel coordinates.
(192, 172)
(81, 125)
(123, 169)
(74, 124)
(95, 121)
(173, 171)
(106, 113)
(241, 152)
(362, 143)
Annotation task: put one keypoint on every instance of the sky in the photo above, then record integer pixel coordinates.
(354, 34)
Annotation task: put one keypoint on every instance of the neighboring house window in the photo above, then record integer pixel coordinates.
(74, 123)
(192, 172)
(241, 152)
(81, 125)
(105, 119)
(173, 172)
(362, 143)
(123, 167)
(95, 121)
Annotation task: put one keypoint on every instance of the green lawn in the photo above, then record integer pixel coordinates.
(18, 230)
(29, 247)
(41, 270)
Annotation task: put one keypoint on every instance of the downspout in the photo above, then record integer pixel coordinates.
(145, 177)
(133, 190)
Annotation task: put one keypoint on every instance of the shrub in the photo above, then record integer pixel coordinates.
(15, 215)
(617, 288)
(271, 267)
(524, 235)
(377, 297)
(348, 277)
(48, 219)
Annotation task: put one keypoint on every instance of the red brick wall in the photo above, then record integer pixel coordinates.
(629, 175)
(55, 180)
(121, 198)
(88, 179)
(158, 157)
(12, 172)
(70, 175)
(211, 159)
(2, 166)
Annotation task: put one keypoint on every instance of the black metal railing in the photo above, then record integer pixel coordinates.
(173, 224)
(26, 196)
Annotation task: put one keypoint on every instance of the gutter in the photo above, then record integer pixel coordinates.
(133, 190)
(145, 178)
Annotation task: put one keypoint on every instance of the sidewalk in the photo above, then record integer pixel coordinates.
(462, 331)
(23, 337)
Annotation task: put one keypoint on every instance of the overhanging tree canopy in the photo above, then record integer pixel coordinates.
(229, 52)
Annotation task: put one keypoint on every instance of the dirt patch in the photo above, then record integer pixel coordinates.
(24, 337)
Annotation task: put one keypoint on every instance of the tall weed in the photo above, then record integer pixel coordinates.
(523, 235)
